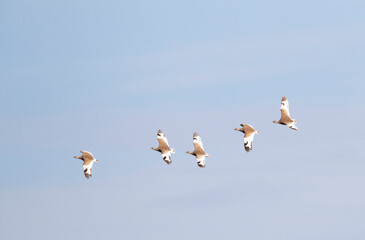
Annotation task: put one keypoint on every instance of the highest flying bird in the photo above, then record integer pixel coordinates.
(285, 115)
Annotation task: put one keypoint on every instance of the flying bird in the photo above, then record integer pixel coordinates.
(89, 160)
(285, 115)
(199, 152)
(249, 132)
(163, 147)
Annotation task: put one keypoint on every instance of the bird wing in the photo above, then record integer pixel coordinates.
(87, 156)
(247, 140)
(285, 106)
(163, 143)
(292, 126)
(247, 129)
(198, 144)
(284, 109)
(162, 140)
(167, 157)
(200, 160)
(87, 168)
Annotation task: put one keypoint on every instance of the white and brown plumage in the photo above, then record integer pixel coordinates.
(198, 152)
(89, 160)
(249, 132)
(163, 147)
(285, 115)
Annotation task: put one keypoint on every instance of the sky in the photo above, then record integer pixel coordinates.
(104, 76)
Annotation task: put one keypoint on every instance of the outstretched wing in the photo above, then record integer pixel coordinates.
(87, 155)
(167, 157)
(200, 160)
(285, 105)
(292, 126)
(198, 144)
(284, 109)
(162, 140)
(247, 129)
(87, 168)
(247, 140)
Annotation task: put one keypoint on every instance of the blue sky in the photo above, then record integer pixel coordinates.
(105, 76)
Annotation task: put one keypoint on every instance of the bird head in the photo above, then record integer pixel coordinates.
(190, 152)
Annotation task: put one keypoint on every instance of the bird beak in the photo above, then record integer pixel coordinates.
(96, 160)
(237, 129)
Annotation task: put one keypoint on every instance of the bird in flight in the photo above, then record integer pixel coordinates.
(198, 152)
(89, 160)
(249, 132)
(163, 147)
(285, 115)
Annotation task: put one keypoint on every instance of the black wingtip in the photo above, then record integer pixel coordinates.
(247, 148)
(201, 165)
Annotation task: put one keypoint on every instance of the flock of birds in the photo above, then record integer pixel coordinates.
(199, 152)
